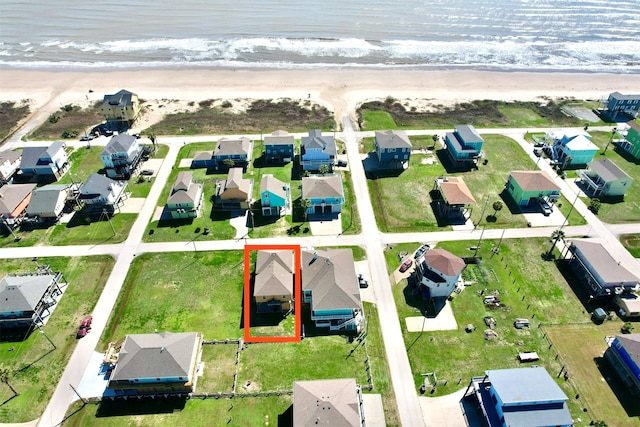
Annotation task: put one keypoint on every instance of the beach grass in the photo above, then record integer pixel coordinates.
(11, 113)
(68, 122)
(480, 113)
(260, 116)
(34, 365)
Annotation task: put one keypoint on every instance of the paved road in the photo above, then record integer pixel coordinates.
(370, 238)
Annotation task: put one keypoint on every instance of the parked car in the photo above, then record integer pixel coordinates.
(87, 137)
(362, 281)
(146, 172)
(341, 163)
(537, 152)
(406, 265)
(85, 326)
(538, 144)
(421, 251)
(545, 207)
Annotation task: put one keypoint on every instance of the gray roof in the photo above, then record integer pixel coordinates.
(523, 385)
(393, 139)
(23, 293)
(184, 189)
(273, 185)
(203, 155)
(228, 147)
(31, 155)
(119, 99)
(332, 403)
(605, 265)
(631, 343)
(120, 143)
(274, 273)
(618, 95)
(468, 133)
(96, 185)
(160, 355)
(12, 195)
(10, 155)
(331, 278)
(236, 181)
(607, 170)
(531, 417)
(316, 140)
(279, 137)
(45, 199)
(320, 186)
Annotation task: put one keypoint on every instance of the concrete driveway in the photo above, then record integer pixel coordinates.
(443, 411)
(329, 227)
(366, 294)
(444, 321)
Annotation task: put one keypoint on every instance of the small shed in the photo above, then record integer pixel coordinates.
(599, 314)
(521, 323)
(528, 356)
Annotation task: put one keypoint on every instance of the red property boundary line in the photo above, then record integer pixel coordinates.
(297, 294)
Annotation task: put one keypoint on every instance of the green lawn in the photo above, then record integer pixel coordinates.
(632, 243)
(86, 278)
(617, 211)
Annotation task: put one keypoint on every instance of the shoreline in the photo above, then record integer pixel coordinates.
(342, 90)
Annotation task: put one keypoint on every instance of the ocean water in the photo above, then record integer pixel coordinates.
(560, 35)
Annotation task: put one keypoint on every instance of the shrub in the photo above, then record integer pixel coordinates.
(53, 118)
(627, 328)
(69, 133)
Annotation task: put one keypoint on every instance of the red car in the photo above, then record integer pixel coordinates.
(406, 265)
(85, 326)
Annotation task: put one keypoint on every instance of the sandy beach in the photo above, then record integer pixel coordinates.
(341, 90)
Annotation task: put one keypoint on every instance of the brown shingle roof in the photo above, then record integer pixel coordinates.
(333, 403)
(273, 185)
(274, 273)
(320, 186)
(455, 191)
(444, 261)
(534, 180)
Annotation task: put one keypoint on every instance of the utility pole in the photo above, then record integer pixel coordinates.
(479, 242)
(613, 133)
(486, 202)
(104, 212)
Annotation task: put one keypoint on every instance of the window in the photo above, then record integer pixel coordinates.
(495, 400)
(266, 195)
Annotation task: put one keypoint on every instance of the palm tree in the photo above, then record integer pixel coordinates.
(229, 163)
(323, 169)
(305, 204)
(556, 235)
(497, 206)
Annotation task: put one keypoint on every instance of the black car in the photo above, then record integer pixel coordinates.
(421, 251)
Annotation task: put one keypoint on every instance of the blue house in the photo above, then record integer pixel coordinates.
(274, 195)
(393, 148)
(325, 193)
(572, 147)
(279, 147)
(619, 106)
(464, 145)
(330, 287)
(121, 156)
(317, 150)
(523, 397)
(236, 149)
(44, 164)
(27, 299)
(624, 355)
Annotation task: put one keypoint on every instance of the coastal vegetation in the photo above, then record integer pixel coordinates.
(11, 113)
(260, 116)
(391, 113)
(70, 121)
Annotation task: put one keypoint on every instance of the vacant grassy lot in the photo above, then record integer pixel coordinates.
(582, 348)
(392, 114)
(10, 115)
(617, 211)
(528, 287)
(69, 122)
(260, 116)
(632, 243)
(42, 365)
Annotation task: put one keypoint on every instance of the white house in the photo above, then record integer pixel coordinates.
(438, 271)
(101, 194)
(121, 156)
(9, 163)
(604, 178)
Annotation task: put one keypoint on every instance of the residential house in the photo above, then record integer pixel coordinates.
(331, 289)
(48, 202)
(619, 106)
(14, 200)
(598, 271)
(324, 192)
(237, 149)
(624, 355)
(528, 187)
(464, 146)
(121, 156)
(605, 179)
(121, 108)
(523, 397)
(235, 191)
(44, 164)
(631, 142)
(571, 147)
(273, 281)
(393, 148)
(102, 195)
(317, 150)
(27, 299)
(202, 159)
(438, 271)
(336, 403)
(455, 197)
(9, 164)
(185, 198)
(279, 147)
(274, 195)
(157, 363)
(628, 305)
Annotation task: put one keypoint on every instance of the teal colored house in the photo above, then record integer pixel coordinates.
(631, 142)
(274, 196)
(464, 145)
(523, 397)
(325, 193)
(527, 187)
(330, 287)
(572, 147)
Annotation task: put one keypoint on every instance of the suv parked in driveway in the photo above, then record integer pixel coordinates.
(545, 207)
(421, 251)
